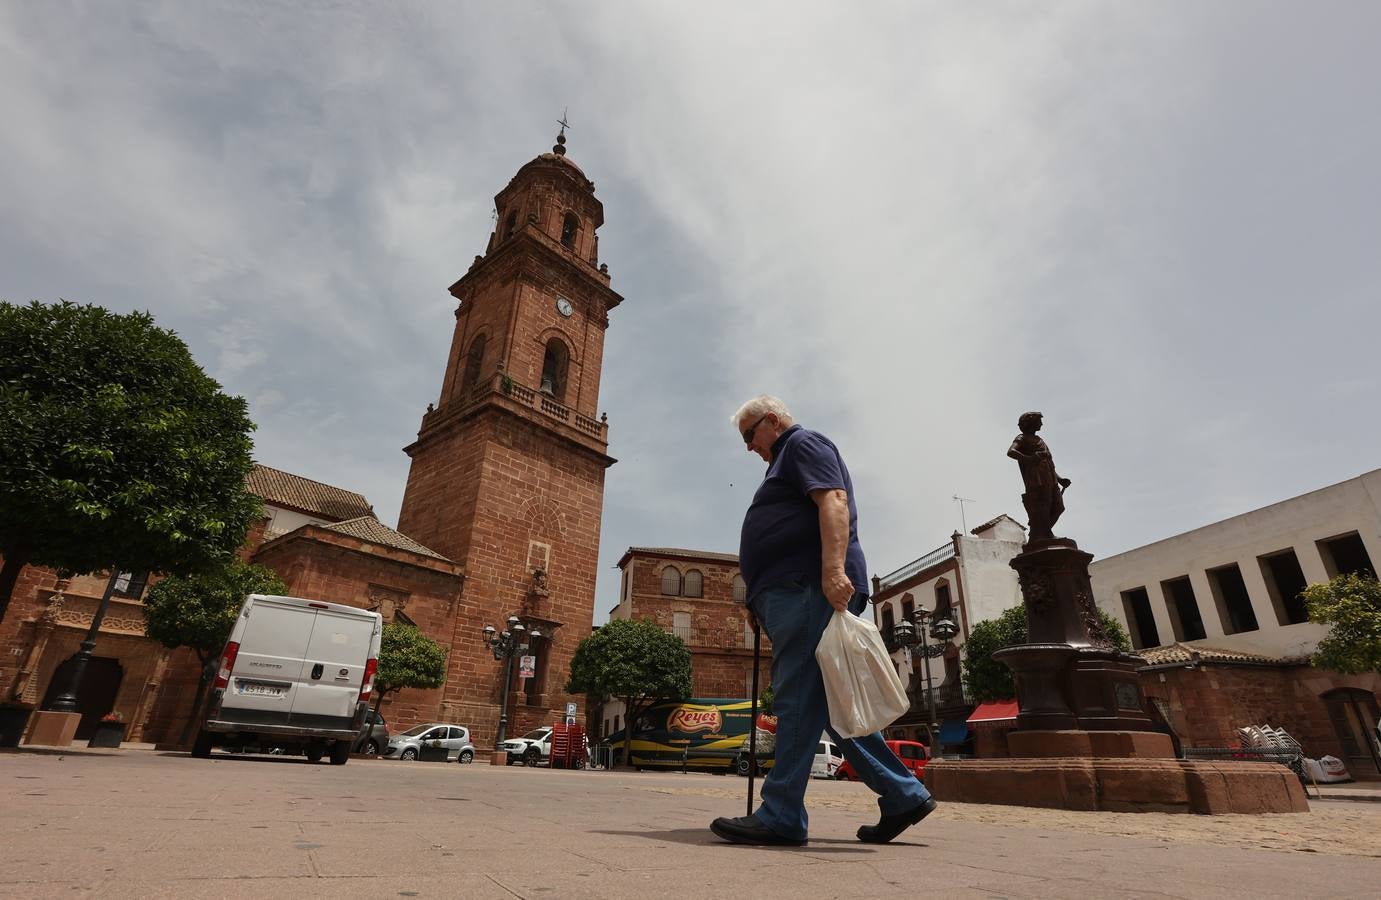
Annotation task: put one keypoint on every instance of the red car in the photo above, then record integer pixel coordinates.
(913, 755)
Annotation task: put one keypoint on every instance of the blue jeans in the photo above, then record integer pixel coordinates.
(794, 616)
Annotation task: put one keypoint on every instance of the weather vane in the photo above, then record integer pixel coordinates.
(562, 121)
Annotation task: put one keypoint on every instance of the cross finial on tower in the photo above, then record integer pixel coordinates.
(560, 148)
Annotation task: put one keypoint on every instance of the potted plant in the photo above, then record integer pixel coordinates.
(13, 717)
(110, 731)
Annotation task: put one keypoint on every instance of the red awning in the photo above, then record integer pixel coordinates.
(994, 711)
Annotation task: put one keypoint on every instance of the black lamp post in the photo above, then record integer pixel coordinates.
(505, 645)
(67, 700)
(905, 634)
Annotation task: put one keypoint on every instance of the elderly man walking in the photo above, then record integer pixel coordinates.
(801, 560)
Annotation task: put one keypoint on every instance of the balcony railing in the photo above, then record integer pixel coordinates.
(934, 557)
(500, 383)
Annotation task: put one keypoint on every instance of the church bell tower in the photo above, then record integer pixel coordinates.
(507, 474)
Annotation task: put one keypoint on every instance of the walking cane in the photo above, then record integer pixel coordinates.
(753, 717)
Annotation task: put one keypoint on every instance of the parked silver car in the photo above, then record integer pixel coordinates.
(423, 741)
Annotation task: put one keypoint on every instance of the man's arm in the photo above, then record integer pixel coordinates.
(833, 504)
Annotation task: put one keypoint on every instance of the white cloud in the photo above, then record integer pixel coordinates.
(1155, 223)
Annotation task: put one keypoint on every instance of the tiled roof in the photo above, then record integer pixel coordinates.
(285, 489)
(1193, 653)
(679, 551)
(991, 522)
(370, 529)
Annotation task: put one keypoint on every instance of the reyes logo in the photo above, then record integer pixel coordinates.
(689, 721)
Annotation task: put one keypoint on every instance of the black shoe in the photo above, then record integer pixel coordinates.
(748, 830)
(889, 827)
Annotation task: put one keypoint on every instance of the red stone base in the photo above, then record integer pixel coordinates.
(1119, 785)
(498, 758)
(53, 729)
(1089, 744)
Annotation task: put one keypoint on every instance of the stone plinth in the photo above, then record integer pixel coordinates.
(1090, 744)
(498, 758)
(1119, 785)
(53, 729)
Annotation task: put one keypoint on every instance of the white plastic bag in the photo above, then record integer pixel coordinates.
(864, 691)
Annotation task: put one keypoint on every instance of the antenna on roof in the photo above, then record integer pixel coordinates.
(961, 501)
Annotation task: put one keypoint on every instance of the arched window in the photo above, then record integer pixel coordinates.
(474, 360)
(510, 224)
(908, 608)
(695, 584)
(740, 589)
(570, 229)
(671, 582)
(554, 365)
(942, 601)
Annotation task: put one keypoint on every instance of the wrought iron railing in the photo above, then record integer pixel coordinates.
(934, 557)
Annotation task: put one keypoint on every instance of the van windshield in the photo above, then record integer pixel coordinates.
(415, 730)
(535, 735)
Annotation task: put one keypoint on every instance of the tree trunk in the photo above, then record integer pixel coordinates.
(15, 562)
(189, 730)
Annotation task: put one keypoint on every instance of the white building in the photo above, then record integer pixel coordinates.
(1235, 584)
(969, 580)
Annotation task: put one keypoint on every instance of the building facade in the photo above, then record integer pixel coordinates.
(1216, 612)
(967, 580)
(698, 596)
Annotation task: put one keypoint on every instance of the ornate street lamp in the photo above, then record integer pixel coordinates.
(67, 700)
(905, 634)
(505, 645)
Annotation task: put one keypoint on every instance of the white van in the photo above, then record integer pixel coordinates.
(828, 758)
(295, 673)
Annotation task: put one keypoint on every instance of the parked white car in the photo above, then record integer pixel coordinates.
(827, 760)
(455, 739)
(531, 749)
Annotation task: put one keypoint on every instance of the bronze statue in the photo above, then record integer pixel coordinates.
(1044, 497)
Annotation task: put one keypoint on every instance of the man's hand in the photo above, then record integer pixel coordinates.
(839, 590)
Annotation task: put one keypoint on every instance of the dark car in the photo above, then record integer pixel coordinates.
(373, 741)
(913, 754)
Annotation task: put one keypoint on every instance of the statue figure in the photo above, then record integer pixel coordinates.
(1044, 497)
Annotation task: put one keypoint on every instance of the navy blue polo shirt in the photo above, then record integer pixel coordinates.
(781, 531)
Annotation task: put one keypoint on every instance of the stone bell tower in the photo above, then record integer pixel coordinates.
(507, 473)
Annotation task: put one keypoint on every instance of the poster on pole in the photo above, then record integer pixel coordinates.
(527, 666)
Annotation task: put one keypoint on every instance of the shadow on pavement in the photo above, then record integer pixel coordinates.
(703, 836)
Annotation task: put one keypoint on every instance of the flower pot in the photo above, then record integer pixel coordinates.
(107, 734)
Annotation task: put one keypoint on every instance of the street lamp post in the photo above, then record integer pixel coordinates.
(505, 645)
(67, 700)
(907, 634)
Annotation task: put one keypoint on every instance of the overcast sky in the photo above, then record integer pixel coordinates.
(1159, 224)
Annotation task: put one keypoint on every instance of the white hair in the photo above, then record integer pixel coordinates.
(761, 405)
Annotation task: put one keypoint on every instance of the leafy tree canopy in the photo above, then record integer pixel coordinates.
(1351, 604)
(118, 450)
(408, 659)
(990, 679)
(629, 659)
(198, 611)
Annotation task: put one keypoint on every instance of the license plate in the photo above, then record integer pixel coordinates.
(256, 689)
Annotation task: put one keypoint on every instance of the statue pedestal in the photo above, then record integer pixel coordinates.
(1083, 740)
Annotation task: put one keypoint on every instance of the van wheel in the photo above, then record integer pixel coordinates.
(340, 753)
(201, 747)
(467, 757)
(315, 752)
(408, 754)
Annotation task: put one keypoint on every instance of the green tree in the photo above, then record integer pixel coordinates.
(118, 450)
(765, 701)
(636, 662)
(1351, 604)
(407, 659)
(198, 612)
(990, 679)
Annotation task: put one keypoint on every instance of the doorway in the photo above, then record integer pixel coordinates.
(1353, 713)
(96, 693)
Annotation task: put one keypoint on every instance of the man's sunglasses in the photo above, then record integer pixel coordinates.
(748, 435)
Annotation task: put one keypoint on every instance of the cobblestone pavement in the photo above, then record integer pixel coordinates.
(146, 825)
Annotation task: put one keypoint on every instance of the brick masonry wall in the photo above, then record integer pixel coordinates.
(721, 648)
